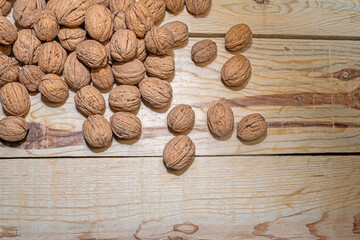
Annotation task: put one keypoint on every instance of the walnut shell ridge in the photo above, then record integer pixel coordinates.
(27, 47)
(75, 74)
(138, 19)
(220, 119)
(97, 131)
(156, 92)
(46, 26)
(129, 73)
(179, 152)
(179, 30)
(15, 99)
(203, 51)
(159, 40)
(236, 71)
(181, 118)
(251, 127)
(125, 98)
(125, 125)
(9, 69)
(123, 45)
(162, 67)
(238, 37)
(30, 76)
(90, 101)
(52, 57)
(8, 32)
(25, 12)
(92, 53)
(99, 22)
(13, 129)
(70, 38)
(102, 78)
(53, 88)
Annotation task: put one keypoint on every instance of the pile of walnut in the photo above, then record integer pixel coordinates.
(66, 44)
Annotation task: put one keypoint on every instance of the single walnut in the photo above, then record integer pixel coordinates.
(238, 37)
(162, 67)
(174, 5)
(179, 152)
(123, 45)
(71, 37)
(8, 32)
(5, 7)
(139, 19)
(102, 78)
(90, 101)
(46, 26)
(220, 119)
(5, 49)
(51, 5)
(92, 53)
(129, 73)
(181, 118)
(156, 92)
(236, 71)
(125, 98)
(251, 127)
(97, 131)
(76, 74)
(119, 5)
(203, 51)
(9, 69)
(27, 47)
(197, 7)
(141, 50)
(179, 30)
(52, 57)
(159, 40)
(99, 22)
(13, 129)
(125, 125)
(30, 76)
(15, 99)
(157, 8)
(71, 13)
(53, 88)
(119, 20)
(25, 12)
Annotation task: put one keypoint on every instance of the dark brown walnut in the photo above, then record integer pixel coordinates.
(71, 13)
(179, 30)
(102, 78)
(179, 152)
(181, 118)
(138, 19)
(53, 88)
(159, 40)
(174, 5)
(238, 37)
(5, 49)
(90, 101)
(129, 73)
(203, 51)
(71, 37)
(125, 125)
(141, 50)
(220, 119)
(13, 129)
(119, 20)
(99, 22)
(46, 26)
(156, 92)
(27, 47)
(25, 12)
(197, 7)
(123, 45)
(251, 127)
(8, 32)
(92, 53)
(52, 57)
(5, 7)
(76, 74)
(119, 5)
(15, 99)
(51, 5)
(125, 98)
(236, 71)
(97, 131)
(9, 69)
(157, 8)
(162, 67)
(30, 76)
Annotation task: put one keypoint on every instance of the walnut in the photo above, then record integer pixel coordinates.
(8, 32)
(97, 131)
(123, 45)
(156, 92)
(119, 5)
(53, 88)
(159, 40)
(107, 48)
(104, 3)
(157, 8)
(174, 5)
(238, 37)
(9, 69)
(27, 47)
(197, 7)
(179, 152)
(129, 73)
(51, 5)
(203, 51)
(25, 12)
(46, 26)
(92, 53)
(30, 76)
(102, 78)
(125, 98)
(5, 7)
(99, 22)
(181, 118)
(139, 19)
(5, 49)
(52, 57)
(119, 20)
(71, 37)
(162, 67)
(76, 74)
(13, 129)
(71, 13)
(251, 127)
(125, 125)
(90, 101)
(141, 50)
(15, 99)
(220, 119)
(179, 30)
(236, 71)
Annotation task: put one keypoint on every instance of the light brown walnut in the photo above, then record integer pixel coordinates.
(9, 69)
(203, 51)
(157, 8)
(125, 125)
(125, 98)
(238, 37)
(53, 88)
(236, 71)
(159, 40)
(13, 129)
(139, 19)
(30, 76)
(129, 73)
(220, 119)
(197, 7)
(179, 152)
(119, 20)
(162, 67)
(179, 30)
(251, 127)
(52, 57)
(119, 5)
(99, 22)
(97, 131)
(104, 3)
(76, 74)
(27, 47)
(181, 118)
(158, 93)
(102, 78)
(141, 50)
(90, 101)
(71, 37)
(51, 5)
(8, 32)
(46, 26)
(174, 5)
(123, 45)
(71, 13)
(25, 12)
(15, 99)
(92, 53)
(5, 7)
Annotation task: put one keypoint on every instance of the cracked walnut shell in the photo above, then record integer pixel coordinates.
(71, 13)
(71, 37)
(156, 92)
(25, 12)
(9, 69)
(15, 99)
(52, 57)
(203, 51)
(102, 78)
(76, 74)
(157, 8)
(125, 125)
(181, 118)
(162, 67)
(251, 127)
(159, 40)
(97, 131)
(46, 26)
(238, 37)
(125, 98)
(92, 53)
(174, 5)
(99, 22)
(236, 71)
(220, 119)
(8, 32)
(138, 19)
(30, 76)
(27, 47)
(13, 129)
(123, 45)
(129, 73)
(197, 7)
(179, 152)
(179, 30)
(53, 88)
(90, 101)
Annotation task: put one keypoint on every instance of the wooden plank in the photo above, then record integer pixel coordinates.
(295, 197)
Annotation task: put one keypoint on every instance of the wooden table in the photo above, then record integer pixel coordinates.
(302, 181)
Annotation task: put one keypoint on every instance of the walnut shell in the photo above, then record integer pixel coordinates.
(157, 8)
(220, 119)
(125, 98)
(119, 20)
(179, 152)
(9, 69)
(13, 129)
(97, 131)
(51, 5)
(125, 125)
(123, 45)
(238, 37)
(104, 3)
(102, 78)
(5, 49)
(30, 76)
(15, 99)
(181, 118)
(5, 7)
(159, 40)
(162, 67)
(71, 13)
(119, 5)
(99, 22)
(92, 53)
(71, 37)
(46, 26)
(197, 7)
(203, 51)
(27, 47)
(141, 50)
(107, 48)
(236, 71)
(138, 19)
(25, 12)
(76, 74)
(8, 32)
(90, 101)
(129, 73)
(251, 127)
(52, 57)
(156, 92)
(179, 30)
(174, 5)
(53, 88)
